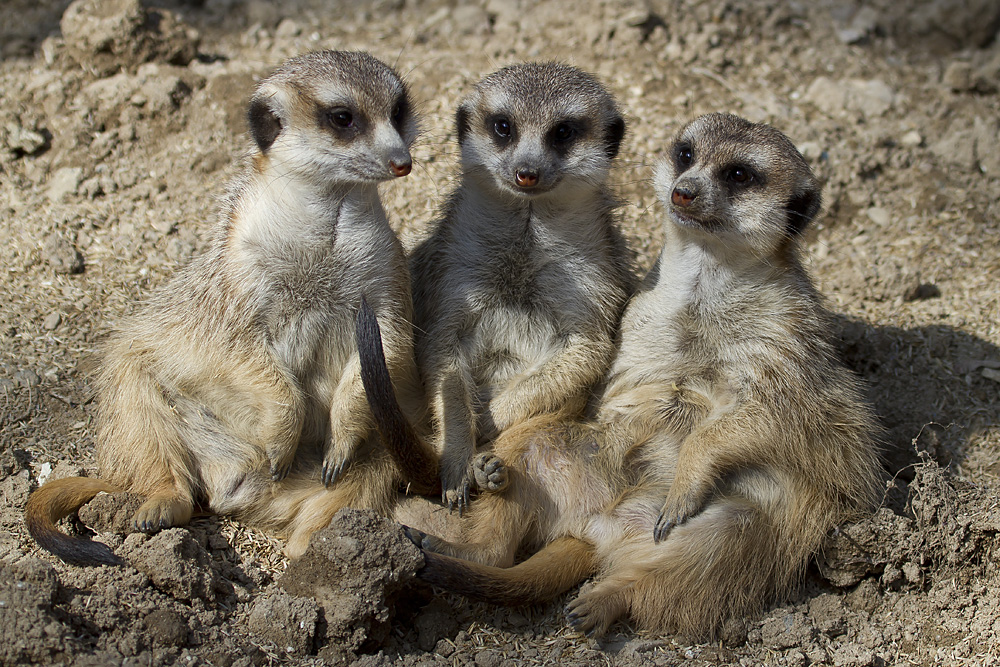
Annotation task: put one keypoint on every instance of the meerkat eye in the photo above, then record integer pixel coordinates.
(502, 127)
(399, 113)
(685, 156)
(563, 132)
(340, 118)
(740, 175)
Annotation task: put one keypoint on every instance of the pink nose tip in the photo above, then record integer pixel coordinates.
(526, 179)
(400, 169)
(680, 198)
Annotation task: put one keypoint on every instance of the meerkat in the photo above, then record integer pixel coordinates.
(727, 440)
(519, 288)
(236, 387)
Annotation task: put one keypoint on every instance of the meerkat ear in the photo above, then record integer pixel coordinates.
(614, 133)
(462, 123)
(265, 125)
(802, 208)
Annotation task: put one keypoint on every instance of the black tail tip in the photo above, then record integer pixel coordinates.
(81, 552)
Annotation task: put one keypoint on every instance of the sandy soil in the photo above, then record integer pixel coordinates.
(112, 150)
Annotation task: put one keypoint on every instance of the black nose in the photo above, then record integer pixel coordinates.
(684, 195)
(526, 178)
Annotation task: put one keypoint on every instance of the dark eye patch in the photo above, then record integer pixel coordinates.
(564, 133)
(501, 128)
(342, 120)
(683, 155)
(740, 175)
(400, 112)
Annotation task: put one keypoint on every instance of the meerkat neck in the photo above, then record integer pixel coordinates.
(570, 217)
(274, 213)
(710, 274)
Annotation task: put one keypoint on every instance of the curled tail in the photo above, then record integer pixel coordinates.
(557, 567)
(413, 456)
(58, 499)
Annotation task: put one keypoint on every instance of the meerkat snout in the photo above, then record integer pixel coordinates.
(526, 177)
(684, 194)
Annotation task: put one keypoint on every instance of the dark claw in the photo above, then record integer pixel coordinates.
(278, 474)
(332, 471)
(662, 528)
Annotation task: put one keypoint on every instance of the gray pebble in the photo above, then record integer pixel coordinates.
(51, 321)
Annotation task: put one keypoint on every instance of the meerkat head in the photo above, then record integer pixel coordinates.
(739, 183)
(333, 117)
(526, 129)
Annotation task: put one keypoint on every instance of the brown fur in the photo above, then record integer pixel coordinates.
(237, 386)
(728, 440)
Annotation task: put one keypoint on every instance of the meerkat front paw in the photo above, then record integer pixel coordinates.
(338, 457)
(280, 460)
(683, 502)
(455, 485)
(489, 472)
(456, 497)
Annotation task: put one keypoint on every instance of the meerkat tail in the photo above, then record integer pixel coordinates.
(58, 499)
(557, 567)
(413, 456)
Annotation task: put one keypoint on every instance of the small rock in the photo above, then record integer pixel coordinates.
(829, 614)
(911, 139)
(177, 565)
(991, 374)
(985, 133)
(106, 35)
(853, 655)
(869, 98)
(921, 292)
(488, 658)
(52, 321)
(288, 28)
(61, 255)
(22, 141)
(63, 182)
(27, 378)
(811, 150)
(166, 628)
(862, 24)
(287, 620)
(44, 472)
(785, 630)
(435, 622)
(878, 215)
(872, 98)
(111, 512)
(163, 225)
(958, 76)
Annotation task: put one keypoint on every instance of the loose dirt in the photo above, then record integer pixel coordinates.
(120, 123)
